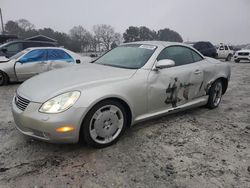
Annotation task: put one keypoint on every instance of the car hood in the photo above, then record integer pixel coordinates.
(244, 51)
(47, 85)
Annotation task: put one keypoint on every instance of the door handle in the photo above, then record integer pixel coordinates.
(197, 71)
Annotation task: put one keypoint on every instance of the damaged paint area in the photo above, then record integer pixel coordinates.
(173, 87)
(177, 92)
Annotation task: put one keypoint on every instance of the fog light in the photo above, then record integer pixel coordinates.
(65, 129)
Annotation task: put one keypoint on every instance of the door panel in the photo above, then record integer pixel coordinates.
(59, 58)
(56, 64)
(222, 52)
(171, 87)
(27, 70)
(33, 63)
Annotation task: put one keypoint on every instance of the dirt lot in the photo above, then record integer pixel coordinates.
(195, 148)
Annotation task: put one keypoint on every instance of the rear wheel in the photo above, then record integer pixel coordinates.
(215, 94)
(3, 78)
(104, 124)
(229, 57)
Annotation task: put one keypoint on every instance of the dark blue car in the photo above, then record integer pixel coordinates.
(205, 47)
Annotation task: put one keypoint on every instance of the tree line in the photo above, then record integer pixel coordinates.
(102, 37)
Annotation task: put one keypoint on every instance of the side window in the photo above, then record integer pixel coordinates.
(221, 48)
(33, 56)
(196, 56)
(210, 45)
(16, 47)
(203, 45)
(181, 55)
(198, 46)
(55, 54)
(226, 48)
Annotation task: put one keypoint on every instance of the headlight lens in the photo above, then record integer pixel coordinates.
(60, 103)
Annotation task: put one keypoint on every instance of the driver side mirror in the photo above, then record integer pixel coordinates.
(164, 63)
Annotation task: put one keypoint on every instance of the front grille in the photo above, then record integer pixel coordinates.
(21, 102)
(244, 53)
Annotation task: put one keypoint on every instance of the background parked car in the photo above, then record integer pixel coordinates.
(225, 52)
(11, 48)
(7, 37)
(243, 54)
(204, 47)
(33, 61)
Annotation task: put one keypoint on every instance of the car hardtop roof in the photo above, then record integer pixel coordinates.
(45, 47)
(32, 41)
(157, 43)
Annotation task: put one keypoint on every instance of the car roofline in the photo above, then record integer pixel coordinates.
(45, 47)
(154, 43)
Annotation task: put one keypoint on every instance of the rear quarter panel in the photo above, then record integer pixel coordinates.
(213, 70)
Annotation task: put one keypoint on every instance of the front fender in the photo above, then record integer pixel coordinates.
(131, 91)
(8, 68)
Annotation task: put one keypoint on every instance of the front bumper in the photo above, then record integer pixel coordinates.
(43, 126)
(239, 58)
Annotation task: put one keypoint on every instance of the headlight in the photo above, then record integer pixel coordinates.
(60, 103)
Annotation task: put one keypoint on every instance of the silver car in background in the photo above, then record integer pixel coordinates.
(95, 102)
(33, 61)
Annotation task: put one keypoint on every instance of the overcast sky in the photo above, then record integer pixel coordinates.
(218, 21)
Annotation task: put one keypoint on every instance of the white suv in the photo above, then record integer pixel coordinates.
(243, 54)
(225, 52)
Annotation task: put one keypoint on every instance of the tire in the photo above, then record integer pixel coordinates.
(104, 124)
(4, 79)
(215, 94)
(236, 61)
(229, 57)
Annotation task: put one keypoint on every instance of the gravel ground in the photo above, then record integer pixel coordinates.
(195, 148)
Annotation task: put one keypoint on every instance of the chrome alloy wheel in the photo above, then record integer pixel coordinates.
(106, 124)
(217, 94)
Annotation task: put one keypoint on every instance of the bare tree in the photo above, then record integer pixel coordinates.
(78, 33)
(25, 24)
(105, 34)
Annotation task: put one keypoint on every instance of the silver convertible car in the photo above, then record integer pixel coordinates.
(33, 61)
(95, 102)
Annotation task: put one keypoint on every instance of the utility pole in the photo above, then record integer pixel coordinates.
(1, 21)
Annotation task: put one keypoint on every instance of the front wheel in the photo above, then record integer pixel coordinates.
(104, 124)
(215, 95)
(3, 78)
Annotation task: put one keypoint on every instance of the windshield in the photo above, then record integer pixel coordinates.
(19, 54)
(131, 56)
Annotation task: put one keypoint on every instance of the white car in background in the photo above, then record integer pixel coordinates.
(225, 52)
(33, 61)
(243, 54)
